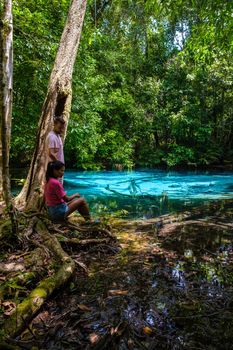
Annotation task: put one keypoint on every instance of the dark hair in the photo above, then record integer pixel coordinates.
(51, 167)
(58, 119)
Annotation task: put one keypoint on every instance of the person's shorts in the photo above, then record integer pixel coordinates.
(58, 212)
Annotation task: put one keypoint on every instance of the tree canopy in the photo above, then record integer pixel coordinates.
(152, 82)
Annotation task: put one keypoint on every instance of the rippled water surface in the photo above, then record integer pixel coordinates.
(148, 193)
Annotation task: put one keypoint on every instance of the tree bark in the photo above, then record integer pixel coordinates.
(6, 78)
(57, 102)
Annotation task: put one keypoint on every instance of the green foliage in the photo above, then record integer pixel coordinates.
(37, 29)
(179, 155)
(152, 83)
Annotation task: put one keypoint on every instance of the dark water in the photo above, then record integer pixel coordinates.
(148, 193)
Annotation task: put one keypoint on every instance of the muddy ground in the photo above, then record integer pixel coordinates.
(166, 283)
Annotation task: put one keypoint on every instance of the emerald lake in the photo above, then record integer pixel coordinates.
(147, 193)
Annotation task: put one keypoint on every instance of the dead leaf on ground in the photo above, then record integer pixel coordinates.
(117, 292)
(8, 307)
(147, 330)
(118, 330)
(84, 307)
(94, 338)
(131, 343)
(12, 267)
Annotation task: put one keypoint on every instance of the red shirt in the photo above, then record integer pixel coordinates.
(54, 192)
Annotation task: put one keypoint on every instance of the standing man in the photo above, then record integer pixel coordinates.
(54, 144)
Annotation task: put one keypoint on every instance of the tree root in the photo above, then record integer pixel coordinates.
(6, 346)
(29, 306)
(169, 229)
(156, 225)
(91, 228)
(83, 242)
(36, 232)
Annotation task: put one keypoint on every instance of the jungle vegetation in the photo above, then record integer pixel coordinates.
(152, 86)
(152, 82)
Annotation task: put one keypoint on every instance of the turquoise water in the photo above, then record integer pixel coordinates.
(147, 193)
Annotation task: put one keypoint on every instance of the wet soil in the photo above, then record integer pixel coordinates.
(167, 286)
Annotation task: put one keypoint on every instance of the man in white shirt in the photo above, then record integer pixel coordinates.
(54, 144)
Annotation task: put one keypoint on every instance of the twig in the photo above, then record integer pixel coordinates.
(82, 265)
(199, 315)
(28, 327)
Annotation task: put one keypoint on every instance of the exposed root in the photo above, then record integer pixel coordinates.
(86, 228)
(180, 297)
(84, 242)
(37, 233)
(6, 346)
(25, 310)
(169, 229)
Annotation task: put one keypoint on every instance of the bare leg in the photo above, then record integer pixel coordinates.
(80, 205)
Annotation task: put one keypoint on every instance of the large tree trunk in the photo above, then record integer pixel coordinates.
(57, 102)
(1, 94)
(6, 74)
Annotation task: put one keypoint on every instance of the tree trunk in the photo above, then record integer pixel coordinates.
(57, 102)
(1, 98)
(6, 75)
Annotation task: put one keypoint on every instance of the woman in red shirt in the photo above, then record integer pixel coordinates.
(59, 205)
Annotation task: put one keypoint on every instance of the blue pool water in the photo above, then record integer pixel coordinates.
(147, 193)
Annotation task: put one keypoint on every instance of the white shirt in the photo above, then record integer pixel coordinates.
(54, 140)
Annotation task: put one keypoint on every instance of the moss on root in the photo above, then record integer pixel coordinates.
(31, 304)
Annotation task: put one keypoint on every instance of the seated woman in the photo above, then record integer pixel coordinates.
(59, 205)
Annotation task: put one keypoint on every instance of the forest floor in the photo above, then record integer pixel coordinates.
(166, 283)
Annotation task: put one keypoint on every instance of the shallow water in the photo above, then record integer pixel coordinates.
(145, 193)
(148, 193)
